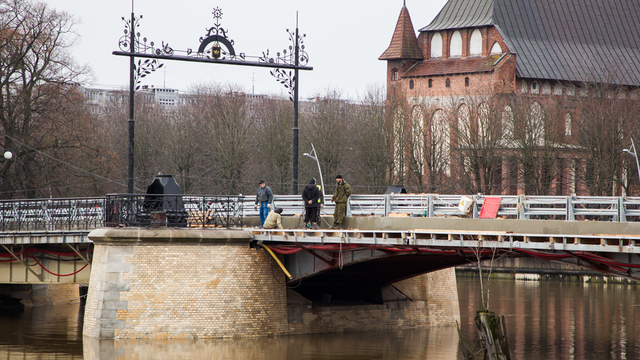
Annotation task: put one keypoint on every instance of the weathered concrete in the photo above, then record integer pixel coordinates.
(208, 283)
(455, 223)
(512, 225)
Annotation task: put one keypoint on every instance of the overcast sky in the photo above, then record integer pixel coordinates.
(344, 39)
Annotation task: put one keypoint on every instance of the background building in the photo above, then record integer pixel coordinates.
(517, 96)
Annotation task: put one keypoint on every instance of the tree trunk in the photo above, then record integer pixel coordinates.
(492, 332)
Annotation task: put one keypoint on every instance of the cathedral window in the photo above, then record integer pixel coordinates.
(475, 44)
(455, 49)
(436, 45)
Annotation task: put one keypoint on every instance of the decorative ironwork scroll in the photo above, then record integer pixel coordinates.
(215, 46)
(146, 67)
(288, 56)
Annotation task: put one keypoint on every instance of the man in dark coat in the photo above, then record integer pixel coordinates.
(310, 196)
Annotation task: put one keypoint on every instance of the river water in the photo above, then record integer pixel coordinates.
(545, 320)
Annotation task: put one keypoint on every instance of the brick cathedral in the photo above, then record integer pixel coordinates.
(467, 75)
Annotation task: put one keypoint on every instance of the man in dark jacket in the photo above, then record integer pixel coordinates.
(310, 196)
(340, 197)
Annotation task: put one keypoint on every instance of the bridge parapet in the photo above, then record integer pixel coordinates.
(81, 215)
(593, 208)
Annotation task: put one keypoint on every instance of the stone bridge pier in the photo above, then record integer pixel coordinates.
(209, 283)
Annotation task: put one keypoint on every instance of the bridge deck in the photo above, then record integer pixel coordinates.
(456, 239)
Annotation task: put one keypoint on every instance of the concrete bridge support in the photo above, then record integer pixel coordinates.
(208, 283)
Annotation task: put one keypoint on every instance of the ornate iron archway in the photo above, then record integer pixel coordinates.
(216, 48)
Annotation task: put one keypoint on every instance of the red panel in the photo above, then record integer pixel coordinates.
(490, 207)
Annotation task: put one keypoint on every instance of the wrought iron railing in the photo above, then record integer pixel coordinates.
(85, 214)
(51, 214)
(173, 210)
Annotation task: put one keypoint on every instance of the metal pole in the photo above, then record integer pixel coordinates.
(294, 150)
(635, 155)
(315, 154)
(131, 106)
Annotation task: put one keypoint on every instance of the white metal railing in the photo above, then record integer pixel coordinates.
(597, 208)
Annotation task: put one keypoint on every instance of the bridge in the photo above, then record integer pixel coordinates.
(394, 236)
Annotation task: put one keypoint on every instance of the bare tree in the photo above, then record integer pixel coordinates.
(39, 111)
(372, 162)
(229, 126)
(538, 142)
(327, 124)
(608, 118)
(398, 122)
(477, 128)
(273, 138)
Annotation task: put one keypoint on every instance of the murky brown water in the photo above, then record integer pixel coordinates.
(546, 320)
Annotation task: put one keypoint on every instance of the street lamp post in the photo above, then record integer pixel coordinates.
(632, 151)
(314, 156)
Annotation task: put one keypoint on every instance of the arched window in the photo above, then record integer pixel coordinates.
(475, 44)
(430, 83)
(535, 125)
(410, 84)
(395, 75)
(496, 48)
(398, 143)
(440, 143)
(534, 88)
(447, 83)
(455, 48)
(466, 81)
(484, 132)
(464, 125)
(557, 89)
(436, 45)
(417, 138)
(507, 124)
(567, 125)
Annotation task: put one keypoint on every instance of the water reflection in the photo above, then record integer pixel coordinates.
(437, 344)
(545, 320)
(40, 332)
(560, 320)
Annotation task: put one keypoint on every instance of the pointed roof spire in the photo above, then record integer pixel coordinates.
(404, 44)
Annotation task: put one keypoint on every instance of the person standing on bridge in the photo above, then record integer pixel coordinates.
(265, 198)
(340, 197)
(310, 196)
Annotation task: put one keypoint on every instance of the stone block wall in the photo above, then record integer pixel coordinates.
(211, 287)
(55, 294)
(208, 283)
(439, 292)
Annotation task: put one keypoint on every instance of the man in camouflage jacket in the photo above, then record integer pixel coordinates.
(340, 197)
